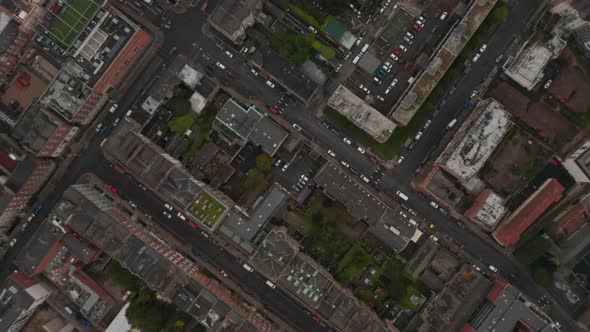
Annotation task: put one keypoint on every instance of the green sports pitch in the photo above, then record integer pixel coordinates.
(71, 19)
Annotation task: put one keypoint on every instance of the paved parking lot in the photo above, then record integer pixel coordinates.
(381, 78)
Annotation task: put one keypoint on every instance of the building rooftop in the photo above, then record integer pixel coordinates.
(361, 114)
(180, 188)
(268, 135)
(510, 230)
(359, 202)
(395, 230)
(241, 229)
(338, 32)
(506, 310)
(572, 88)
(275, 253)
(232, 17)
(18, 295)
(527, 68)
(190, 76)
(238, 119)
(546, 122)
(67, 93)
(306, 280)
(34, 128)
(573, 218)
(487, 209)
(479, 139)
(33, 255)
(8, 31)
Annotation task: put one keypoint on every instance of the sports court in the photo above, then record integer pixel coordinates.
(396, 26)
(71, 18)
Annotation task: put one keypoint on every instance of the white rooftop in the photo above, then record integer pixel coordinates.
(198, 102)
(492, 210)
(190, 76)
(527, 68)
(480, 139)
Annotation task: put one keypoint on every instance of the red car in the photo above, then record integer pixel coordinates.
(398, 52)
(371, 158)
(114, 189)
(407, 64)
(316, 319)
(119, 169)
(205, 6)
(438, 12)
(273, 110)
(416, 27)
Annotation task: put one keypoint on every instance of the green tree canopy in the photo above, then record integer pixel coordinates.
(533, 250)
(264, 162)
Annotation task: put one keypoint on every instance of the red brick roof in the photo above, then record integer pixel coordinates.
(572, 89)
(478, 204)
(547, 123)
(466, 328)
(572, 221)
(509, 232)
(499, 286)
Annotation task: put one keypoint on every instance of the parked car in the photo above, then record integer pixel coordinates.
(181, 216)
(331, 153)
(547, 84)
(483, 48)
(270, 83)
(167, 215)
(347, 141)
(433, 204)
(361, 150)
(475, 57)
(228, 53)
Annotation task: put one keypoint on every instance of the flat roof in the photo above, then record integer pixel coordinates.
(268, 135)
(361, 114)
(527, 68)
(238, 119)
(37, 249)
(229, 17)
(34, 128)
(487, 209)
(275, 253)
(67, 93)
(480, 139)
(359, 202)
(395, 230)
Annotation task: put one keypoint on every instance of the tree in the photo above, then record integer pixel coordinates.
(542, 276)
(295, 48)
(253, 178)
(500, 14)
(533, 250)
(264, 163)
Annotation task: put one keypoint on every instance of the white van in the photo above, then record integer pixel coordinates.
(402, 195)
(248, 267)
(451, 124)
(113, 108)
(356, 59)
(128, 113)
(365, 48)
(270, 284)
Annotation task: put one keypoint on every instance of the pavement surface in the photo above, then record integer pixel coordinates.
(208, 49)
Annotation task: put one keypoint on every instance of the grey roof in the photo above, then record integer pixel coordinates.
(15, 301)
(282, 71)
(359, 202)
(38, 247)
(150, 165)
(180, 188)
(241, 228)
(275, 253)
(34, 128)
(123, 142)
(508, 310)
(230, 15)
(401, 234)
(369, 63)
(8, 34)
(238, 119)
(21, 174)
(78, 247)
(268, 135)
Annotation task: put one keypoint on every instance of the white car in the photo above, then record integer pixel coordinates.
(168, 207)
(409, 35)
(433, 204)
(366, 179)
(297, 127)
(361, 150)
(393, 83)
(548, 84)
(443, 16)
(420, 23)
(483, 48)
(338, 68)
(113, 108)
(400, 159)
(270, 284)
(254, 72)
(358, 41)
(475, 57)
(229, 54)
(407, 40)
(394, 57)
(396, 5)
(247, 267)
(331, 153)
(403, 48)
(473, 94)
(493, 269)
(167, 215)
(181, 216)
(270, 83)
(427, 124)
(220, 65)
(347, 141)
(98, 127)
(387, 91)
(345, 164)
(418, 136)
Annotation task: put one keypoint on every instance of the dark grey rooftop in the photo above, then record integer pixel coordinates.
(78, 247)
(8, 32)
(230, 14)
(15, 301)
(359, 202)
(275, 253)
(239, 119)
(21, 174)
(241, 228)
(268, 135)
(34, 128)
(283, 72)
(38, 247)
(401, 234)
(180, 188)
(123, 141)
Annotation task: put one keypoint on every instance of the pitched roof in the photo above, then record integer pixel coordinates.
(572, 89)
(572, 221)
(509, 232)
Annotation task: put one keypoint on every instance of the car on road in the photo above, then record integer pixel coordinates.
(475, 57)
(12, 243)
(418, 136)
(254, 71)
(387, 90)
(297, 127)
(228, 53)
(168, 207)
(393, 83)
(547, 84)
(113, 108)
(337, 69)
(427, 124)
(493, 269)
(344, 163)
(473, 94)
(408, 40)
(331, 153)
(443, 16)
(347, 141)
(273, 109)
(433, 204)
(400, 159)
(181, 216)
(167, 215)
(483, 48)
(416, 27)
(270, 284)
(409, 35)
(361, 150)
(248, 267)
(359, 41)
(98, 127)
(224, 274)
(403, 48)
(220, 65)
(270, 83)
(476, 268)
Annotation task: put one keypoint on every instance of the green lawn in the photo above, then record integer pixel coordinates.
(354, 263)
(71, 19)
(207, 209)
